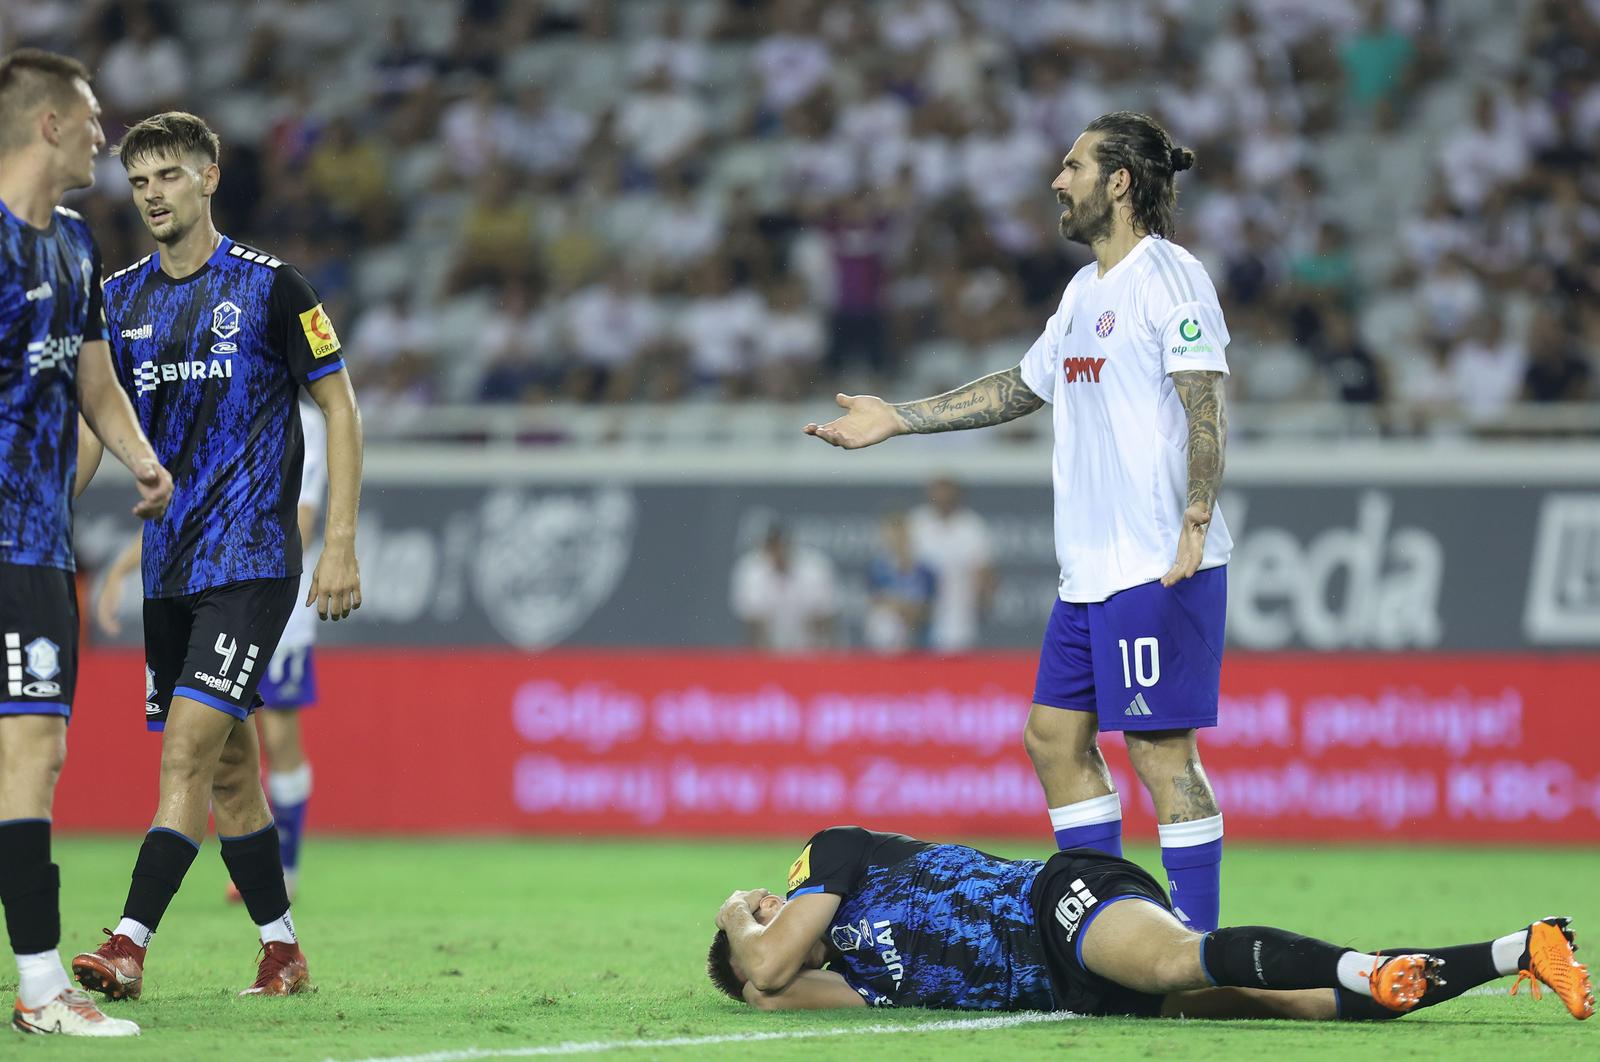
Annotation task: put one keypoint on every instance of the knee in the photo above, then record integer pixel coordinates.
(1163, 754)
(184, 762)
(1058, 746)
(41, 756)
(53, 755)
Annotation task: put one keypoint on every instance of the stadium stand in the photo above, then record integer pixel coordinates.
(552, 205)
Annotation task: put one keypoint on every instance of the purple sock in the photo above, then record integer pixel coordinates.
(1095, 823)
(1192, 854)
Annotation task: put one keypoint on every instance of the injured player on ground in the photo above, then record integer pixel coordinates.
(878, 919)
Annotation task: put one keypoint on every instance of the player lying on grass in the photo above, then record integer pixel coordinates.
(884, 920)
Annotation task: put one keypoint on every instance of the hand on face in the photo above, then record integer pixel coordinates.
(747, 899)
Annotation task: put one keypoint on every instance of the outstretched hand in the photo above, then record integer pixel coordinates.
(1191, 545)
(867, 420)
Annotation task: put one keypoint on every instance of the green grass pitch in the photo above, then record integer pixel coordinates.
(433, 948)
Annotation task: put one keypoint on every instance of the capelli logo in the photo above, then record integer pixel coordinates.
(144, 331)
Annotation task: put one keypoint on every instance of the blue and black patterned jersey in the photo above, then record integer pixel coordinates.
(49, 306)
(928, 925)
(214, 362)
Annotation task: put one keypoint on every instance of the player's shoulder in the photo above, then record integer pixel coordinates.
(128, 274)
(840, 831)
(255, 256)
(74, 223)
(1172, 274)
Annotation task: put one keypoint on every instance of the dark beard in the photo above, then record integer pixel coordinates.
(1089, 221)
(172, 235)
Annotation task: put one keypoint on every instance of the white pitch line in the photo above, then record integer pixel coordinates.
(589, 1047)
(471, 1054)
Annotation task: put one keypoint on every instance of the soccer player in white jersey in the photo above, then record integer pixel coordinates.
(1132, 362)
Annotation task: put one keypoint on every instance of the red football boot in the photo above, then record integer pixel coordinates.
(115, 968)
(282, 972)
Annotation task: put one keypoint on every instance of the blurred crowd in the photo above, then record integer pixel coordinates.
(511, 201)
(929, 584)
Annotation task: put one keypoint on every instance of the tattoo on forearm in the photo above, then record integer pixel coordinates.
(994, 399)
(1202, 398)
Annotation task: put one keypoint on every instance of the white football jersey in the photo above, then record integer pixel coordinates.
(1121, 435)
(301, 629)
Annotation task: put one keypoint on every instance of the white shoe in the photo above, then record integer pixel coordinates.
(70, 1014)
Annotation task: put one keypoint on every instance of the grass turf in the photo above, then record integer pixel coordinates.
(439, 946)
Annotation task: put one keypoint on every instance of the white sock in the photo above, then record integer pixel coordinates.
(1508, 952)
(290, 787)
(1355, 970)
(137, 932)
(1092, 812)
(40, 978)
(1190, 834)
(279, 930)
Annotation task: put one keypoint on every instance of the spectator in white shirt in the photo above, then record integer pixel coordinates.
(660, 122)
(785, 595)
(792, 342)
(473, 128)
(671, 49)
(720, 328)
(954, 541)
(144, 71)
(1483, 155)
(791, 63)
(392, 329)
(542, 135)
(610, 325)
(1488, 366)
(682, 227)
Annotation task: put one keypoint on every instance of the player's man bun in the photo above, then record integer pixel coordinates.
(1137, 143)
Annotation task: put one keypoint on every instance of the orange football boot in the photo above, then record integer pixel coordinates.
(1400, 981)
(1549, 959)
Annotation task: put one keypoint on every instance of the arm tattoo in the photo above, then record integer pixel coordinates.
(994, 399)
(1201, 395)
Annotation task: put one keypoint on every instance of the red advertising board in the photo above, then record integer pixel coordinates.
(1311, 747)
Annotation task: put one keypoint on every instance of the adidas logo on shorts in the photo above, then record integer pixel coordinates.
(1138, 707)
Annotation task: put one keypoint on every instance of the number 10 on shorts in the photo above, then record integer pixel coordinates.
(1146, 663)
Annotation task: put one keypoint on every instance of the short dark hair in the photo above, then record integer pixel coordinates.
(28, 78)
(170, 133)
(1136, 142)
(719, 967)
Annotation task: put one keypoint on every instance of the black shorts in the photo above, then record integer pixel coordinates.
(213, 646)
(1071, 890)
(39, 620)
